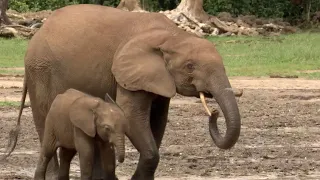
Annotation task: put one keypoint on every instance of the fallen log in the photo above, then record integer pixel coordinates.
(16, 30)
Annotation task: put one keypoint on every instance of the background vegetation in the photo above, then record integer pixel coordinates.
(295, 54)
(261, 8)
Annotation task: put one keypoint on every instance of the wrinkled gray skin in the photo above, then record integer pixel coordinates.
(141, 59)
(75, 123)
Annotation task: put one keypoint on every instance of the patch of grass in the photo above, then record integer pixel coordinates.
(12, 52)
(314, 75)
(9, 104)
(243, 56)
(264, 56)
(11, 72)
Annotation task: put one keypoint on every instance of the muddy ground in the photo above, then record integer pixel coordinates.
(280, 136)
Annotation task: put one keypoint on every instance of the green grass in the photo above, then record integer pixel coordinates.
(9, 104)
(263, 56)
(11, 72)
(12, 52)
(243, 56)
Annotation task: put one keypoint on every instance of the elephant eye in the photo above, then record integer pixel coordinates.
(190, 66)
(107, 128)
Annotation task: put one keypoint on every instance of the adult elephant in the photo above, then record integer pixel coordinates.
(141, 59)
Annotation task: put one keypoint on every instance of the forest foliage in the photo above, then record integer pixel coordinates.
(260, 8)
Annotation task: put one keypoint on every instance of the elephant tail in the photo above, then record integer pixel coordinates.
(13, 135)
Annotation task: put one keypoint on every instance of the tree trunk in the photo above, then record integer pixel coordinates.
(307, 9)
(100, 2)
(193, 9)
(3, 15)
(172, 4)
(84, 2)
(129, 5)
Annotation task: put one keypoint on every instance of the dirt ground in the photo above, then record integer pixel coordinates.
(280, 136)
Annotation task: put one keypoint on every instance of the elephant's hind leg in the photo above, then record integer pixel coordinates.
(66, 156)
(39, 111)
(42, 167)
(47, 151)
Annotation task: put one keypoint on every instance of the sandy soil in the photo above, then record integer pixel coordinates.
(280, 137)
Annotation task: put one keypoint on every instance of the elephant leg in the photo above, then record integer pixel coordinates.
(98, 173)
(42, 165)
(108, 160)
(85, 148)
(39, 117)
(47, 151)
(159, 118)
(65, 156)
(137, 107)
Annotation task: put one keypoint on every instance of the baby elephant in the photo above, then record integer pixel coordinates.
(75, 122)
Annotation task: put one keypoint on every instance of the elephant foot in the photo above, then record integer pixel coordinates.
(108, 177)
(52, 175)
(142, 177)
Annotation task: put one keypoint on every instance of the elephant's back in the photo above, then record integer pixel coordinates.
(75, 47)
(86, 33)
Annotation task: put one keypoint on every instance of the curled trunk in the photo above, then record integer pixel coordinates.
(227, 102)
(120, 147)
(228, 105)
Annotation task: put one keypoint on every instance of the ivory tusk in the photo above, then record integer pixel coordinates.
(204, 103)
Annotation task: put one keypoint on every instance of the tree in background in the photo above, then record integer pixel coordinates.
(3, 15)
(171, 4)
(129, 5)
(293, 10)
(307, 10)
(194, 9)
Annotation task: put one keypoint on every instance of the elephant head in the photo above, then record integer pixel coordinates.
(94, 116)
(165, 63)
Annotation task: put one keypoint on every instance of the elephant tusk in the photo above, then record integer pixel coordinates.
(203, 101)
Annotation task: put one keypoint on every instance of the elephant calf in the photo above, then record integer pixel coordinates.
(75, 122)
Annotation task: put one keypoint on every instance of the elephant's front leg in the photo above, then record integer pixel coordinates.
(159, 118)
(85, 148)
(66, 156)
(137, 107)
(108, 160)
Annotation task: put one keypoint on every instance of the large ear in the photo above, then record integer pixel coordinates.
(139, 65)
(82, 114)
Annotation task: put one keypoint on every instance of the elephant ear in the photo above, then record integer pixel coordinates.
(82, 114)
(139, 65)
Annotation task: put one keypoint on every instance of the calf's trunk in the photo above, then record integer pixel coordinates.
(120, 147)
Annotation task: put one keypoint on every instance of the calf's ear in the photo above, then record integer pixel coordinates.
(82, 115)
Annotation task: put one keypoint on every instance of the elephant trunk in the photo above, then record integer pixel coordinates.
(120, 146)
(227, 102)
